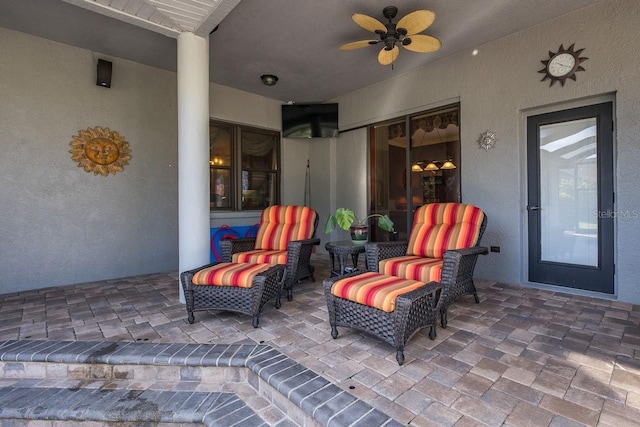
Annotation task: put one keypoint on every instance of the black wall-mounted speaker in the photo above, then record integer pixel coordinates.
(104, 73)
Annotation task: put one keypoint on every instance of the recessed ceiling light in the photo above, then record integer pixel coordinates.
(269, 79)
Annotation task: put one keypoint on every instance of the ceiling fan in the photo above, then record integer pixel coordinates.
(405, 32)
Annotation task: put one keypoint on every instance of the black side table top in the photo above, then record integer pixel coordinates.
(344, 246)
(342, 249)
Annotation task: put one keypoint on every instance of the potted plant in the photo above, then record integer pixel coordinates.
(346, 219)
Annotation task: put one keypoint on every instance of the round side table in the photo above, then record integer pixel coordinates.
(341, 250)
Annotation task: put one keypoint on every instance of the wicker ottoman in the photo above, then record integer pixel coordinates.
(409, 306)
(242, 288)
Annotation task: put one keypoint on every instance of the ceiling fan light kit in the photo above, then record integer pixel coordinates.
(404, 33)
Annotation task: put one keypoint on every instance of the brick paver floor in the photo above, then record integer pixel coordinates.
(522, 357)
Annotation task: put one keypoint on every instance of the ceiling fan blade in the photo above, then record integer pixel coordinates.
(416, 21)
(386, 57)
(368, 23)
(358, 44)
(423, 43)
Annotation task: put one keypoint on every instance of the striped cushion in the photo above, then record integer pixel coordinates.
(229, 274)
(261, 256)
(438, 227)
(412, 267)
(280, 225)
(374, 289)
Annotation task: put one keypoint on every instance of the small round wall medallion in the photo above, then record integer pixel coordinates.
(100, 151)
(487, 140)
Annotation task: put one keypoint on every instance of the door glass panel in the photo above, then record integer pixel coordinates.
(569, 192)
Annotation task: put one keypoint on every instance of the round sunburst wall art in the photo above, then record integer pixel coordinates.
(100, 151)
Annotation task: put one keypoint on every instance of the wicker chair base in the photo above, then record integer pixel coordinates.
(457, 268)
(266, 287)
(298, 267)
(414, 310)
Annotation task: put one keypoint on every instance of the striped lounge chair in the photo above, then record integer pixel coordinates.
(443, 247)
(286, 236)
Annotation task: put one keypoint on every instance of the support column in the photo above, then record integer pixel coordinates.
(193, 152)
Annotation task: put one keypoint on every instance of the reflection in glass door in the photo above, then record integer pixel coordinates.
(569, 190)
(411, 168)
(435, 157)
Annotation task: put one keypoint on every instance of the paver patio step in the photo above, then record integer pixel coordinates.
(135, 406)
(305, 397)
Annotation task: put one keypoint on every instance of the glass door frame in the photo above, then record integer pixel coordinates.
(601, 277)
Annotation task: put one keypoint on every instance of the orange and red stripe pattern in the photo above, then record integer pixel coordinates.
(261, 256)
(280, 225)
(229, 274)
(438, 227)
(374, 289)
(412, 267)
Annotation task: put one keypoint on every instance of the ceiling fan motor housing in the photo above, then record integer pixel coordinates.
(393, 34)
(390, 12)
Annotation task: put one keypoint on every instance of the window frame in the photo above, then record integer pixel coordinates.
(236, 168)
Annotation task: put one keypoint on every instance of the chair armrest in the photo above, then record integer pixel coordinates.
(376, 252)
(299, 258)
(476, 250)
(312, 241)
(228, 247)
(458, 264)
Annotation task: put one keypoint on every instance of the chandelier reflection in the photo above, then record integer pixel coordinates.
(433, 165)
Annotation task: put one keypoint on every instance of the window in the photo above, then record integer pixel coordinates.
(244, 167)
(409, 165)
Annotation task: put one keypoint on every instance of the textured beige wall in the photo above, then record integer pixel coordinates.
(61, 225)
(496, 89)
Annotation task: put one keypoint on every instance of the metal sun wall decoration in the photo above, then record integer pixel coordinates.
(487, 140)
(100, 151)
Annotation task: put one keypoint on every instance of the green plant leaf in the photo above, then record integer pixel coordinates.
(385, 223)
(345, 218)
(331, 224)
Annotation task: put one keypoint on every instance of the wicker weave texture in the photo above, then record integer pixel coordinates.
(414, 310)
(266, 286)
(457, 269)
(298, 256)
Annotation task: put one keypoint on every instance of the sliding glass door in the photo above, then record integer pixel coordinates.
(414, 160)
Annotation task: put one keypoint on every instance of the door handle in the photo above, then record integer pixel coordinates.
(534, 208)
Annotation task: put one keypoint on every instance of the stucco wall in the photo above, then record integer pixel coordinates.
(59, 224)
(496, 89)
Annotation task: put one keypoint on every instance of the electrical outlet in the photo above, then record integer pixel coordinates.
(495, 248)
